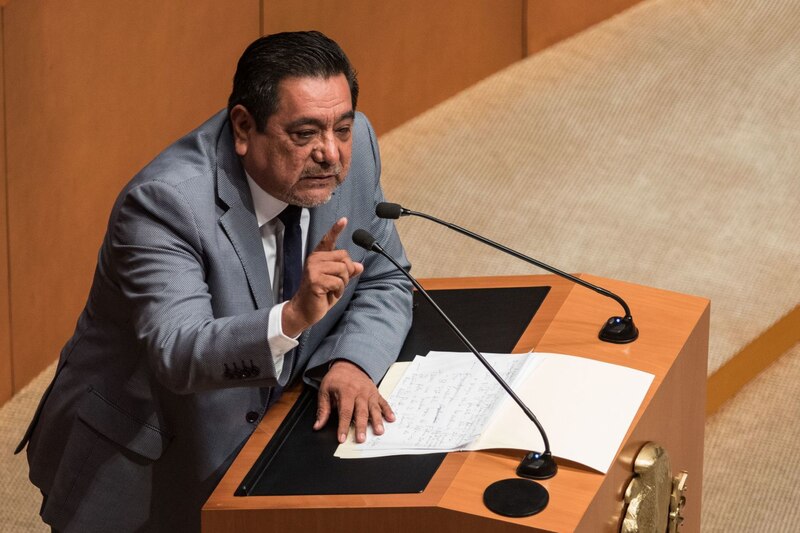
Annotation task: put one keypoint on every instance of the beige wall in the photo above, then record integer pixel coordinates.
(93, 89)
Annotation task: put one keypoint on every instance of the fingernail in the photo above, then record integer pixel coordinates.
(342, 437)
(379, 428)
(361, 437)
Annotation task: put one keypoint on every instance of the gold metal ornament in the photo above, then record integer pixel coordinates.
(654, 499)
(677, 501)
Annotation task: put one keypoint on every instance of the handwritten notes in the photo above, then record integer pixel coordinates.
(449, 402)
(444, 401)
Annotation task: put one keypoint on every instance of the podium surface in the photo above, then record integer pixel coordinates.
(672, 345)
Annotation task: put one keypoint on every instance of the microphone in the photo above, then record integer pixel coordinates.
(617, 329)
(534, 465)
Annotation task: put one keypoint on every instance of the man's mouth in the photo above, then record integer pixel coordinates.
(321, 174)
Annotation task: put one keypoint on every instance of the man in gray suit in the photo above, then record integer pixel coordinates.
(189, 334)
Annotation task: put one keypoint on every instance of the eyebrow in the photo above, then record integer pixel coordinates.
(304, 121)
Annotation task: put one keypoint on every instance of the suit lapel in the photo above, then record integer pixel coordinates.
(239, 221)
(322, 218)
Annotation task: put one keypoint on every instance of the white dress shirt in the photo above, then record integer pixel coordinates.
(267, 209)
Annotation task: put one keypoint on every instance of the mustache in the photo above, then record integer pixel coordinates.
(314, 171)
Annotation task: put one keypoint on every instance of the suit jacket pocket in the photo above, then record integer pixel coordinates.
(124, 428)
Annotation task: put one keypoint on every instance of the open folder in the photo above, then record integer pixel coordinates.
(447, 401)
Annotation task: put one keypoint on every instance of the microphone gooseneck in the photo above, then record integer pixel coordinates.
(365, 240)
(619, 330)
(511, 497)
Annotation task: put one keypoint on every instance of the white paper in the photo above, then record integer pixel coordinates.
(444, 402)
(449, 402)
(585, 407)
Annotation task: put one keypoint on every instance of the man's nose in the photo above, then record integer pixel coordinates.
(327, 151)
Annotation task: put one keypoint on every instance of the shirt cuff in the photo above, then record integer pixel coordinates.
(279, 343)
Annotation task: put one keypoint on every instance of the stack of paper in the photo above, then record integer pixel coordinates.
(449, 402)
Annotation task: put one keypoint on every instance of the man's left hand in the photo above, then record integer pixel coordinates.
(356, 398)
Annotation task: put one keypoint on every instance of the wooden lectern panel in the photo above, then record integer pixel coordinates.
(673, 345)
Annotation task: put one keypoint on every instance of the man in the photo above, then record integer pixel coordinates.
(200, 310)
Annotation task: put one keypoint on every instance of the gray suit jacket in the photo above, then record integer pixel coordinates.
(150, 403)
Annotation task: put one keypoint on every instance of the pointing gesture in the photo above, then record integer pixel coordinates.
(325, 275)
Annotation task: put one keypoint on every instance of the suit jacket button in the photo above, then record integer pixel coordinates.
(251, 417)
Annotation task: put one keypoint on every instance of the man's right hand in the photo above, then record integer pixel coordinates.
(325, 275)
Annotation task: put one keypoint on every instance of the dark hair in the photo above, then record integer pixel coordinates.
(273, 58)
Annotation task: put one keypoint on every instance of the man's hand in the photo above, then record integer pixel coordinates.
(325, 275)
(357, 399)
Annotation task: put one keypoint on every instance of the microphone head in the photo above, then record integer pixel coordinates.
(364, 239)
(537, 466)
(619, 330)
(388, 210)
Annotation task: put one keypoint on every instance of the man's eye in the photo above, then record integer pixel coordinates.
(344, 131)
(305, 134)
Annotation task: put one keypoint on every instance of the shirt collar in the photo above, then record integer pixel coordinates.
(266, 206)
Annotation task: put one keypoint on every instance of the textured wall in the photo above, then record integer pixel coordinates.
(658, 148)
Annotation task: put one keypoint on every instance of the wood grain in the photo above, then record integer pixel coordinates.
(410, 55)
(94, 93)
(97, 92)
(551, 21)
(6, 381)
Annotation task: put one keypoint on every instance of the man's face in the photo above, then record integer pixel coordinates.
(304, 152)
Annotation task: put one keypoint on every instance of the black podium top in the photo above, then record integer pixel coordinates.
(300, 461)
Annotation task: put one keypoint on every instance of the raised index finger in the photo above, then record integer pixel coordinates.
(328, 242)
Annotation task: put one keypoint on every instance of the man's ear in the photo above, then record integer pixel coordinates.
(244, 126)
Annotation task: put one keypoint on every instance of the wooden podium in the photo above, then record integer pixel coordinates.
(672, 345)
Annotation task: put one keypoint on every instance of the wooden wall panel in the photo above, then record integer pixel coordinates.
(93, 92)
(95, 89)
(550, 21)
(6, 383)
(410, 55)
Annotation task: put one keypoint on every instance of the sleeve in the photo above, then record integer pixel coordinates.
(159, 263)
(373, 327)
(279, 343)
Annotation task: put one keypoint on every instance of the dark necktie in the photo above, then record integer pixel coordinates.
(292, 250)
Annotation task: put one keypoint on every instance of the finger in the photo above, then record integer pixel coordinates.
(329, 284)
(386, 409)
(333, 257)
(329, 277)
(376, 417)
(361, 418)
(345, 416)
(323, 410)
(337, 274)
(352, 267)
(328, 242)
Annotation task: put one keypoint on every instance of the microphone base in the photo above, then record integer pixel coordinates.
(515, 497)
(619, 330)
(537, 466)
